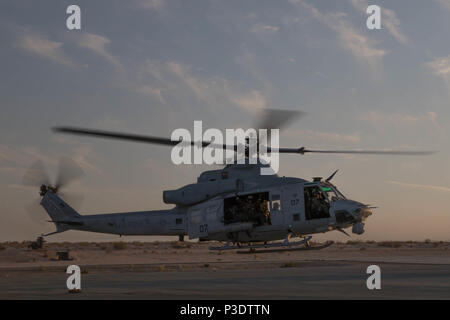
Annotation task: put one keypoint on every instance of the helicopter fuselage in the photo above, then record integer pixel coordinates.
(233, 204)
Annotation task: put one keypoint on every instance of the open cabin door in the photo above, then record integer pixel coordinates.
(204, 217)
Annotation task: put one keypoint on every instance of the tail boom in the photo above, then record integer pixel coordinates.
(159, 222)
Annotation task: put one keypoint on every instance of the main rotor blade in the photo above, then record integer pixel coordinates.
(283, 117)
(276, 119)
(124, 136)
(268, 119)
(303, 150)
(380, 152)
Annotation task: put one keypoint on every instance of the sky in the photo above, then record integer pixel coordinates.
(152, 66)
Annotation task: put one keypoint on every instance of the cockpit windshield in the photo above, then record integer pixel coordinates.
(331, 192)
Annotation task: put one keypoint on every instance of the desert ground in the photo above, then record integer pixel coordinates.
(189, 270)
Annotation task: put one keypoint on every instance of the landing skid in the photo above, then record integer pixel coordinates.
(285, 245)
(306, 248)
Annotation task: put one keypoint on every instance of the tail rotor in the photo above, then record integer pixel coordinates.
(37, 176)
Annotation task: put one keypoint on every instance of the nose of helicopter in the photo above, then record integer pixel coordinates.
(361, 211)
(349, 212)
(357, 209)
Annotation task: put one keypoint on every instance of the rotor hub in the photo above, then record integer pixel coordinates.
(44, 189)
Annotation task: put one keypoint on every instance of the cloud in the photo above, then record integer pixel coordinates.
(260, 28)
(81, 155)
(98, 44)
(20, 157)
(440, 67)
(389, 20)
(172, 79)
(16, 160)
(150, 91)
(349, 37)
(375, 118)
(444, 3)
(43, 47)
(433, 118)
(248, 62)
(420, 186)
(152, 4)
(182, 72)
(251, 101)
(359, 45)
(392, 24)
(400, 119)
(315, 136)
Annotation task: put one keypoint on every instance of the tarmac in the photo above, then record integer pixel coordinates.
(295, 280)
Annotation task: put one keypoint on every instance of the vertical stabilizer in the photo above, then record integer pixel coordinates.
(61, 214)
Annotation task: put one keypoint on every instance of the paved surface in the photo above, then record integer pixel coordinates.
(300, 280)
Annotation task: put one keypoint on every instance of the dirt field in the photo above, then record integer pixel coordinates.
(177, 270)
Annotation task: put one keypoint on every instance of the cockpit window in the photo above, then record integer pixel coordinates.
(339, 193)
(332, 192)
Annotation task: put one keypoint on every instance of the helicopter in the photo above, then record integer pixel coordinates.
(235, 205)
